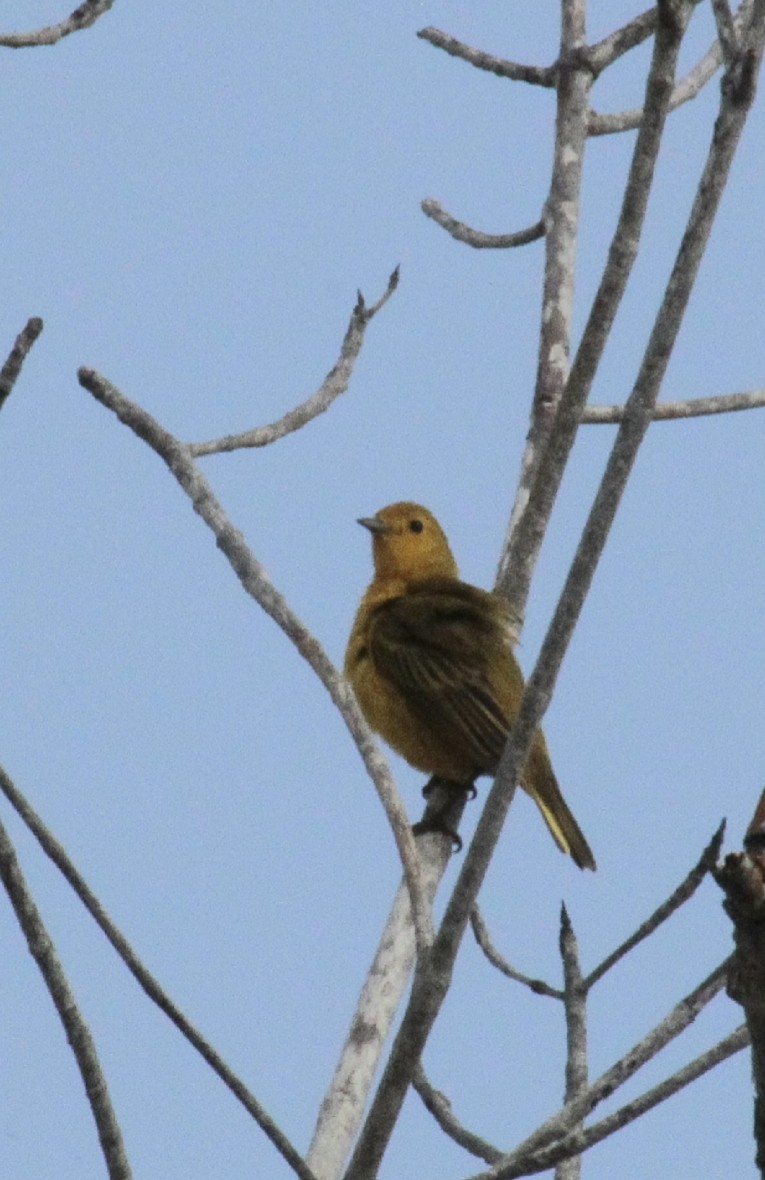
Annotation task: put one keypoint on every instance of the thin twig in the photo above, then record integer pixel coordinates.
(683, 893)
(580, 1140)
(475, 237)
(698, 407)
(58, 855)
(441, 1108)
(10, 371)
(575, 1003)
(85, 15)
(538, 986)
(77, 1032)
(254, 579)
(536, 75)
(335, 383)
(516, 1163)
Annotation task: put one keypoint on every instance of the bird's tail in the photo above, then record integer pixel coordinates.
(540, 782)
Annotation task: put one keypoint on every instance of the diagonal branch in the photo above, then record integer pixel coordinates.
(678, 897)
(10, 371)
(519, 1161)
(254, 579)
(77, 1032)
(604, 53)
(150, 985)
(686, 90)
(82, 18)
(536, 75)
(580, 1140)
(335, 383)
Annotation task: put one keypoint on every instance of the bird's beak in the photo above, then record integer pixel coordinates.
(374, 524)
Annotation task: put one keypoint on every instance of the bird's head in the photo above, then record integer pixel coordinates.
(409, 544)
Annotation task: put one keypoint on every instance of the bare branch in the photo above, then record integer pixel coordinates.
(604, 53)
(538, 986)
(82, 18)
(58, 855)
(726, 31)
(258, 585)
(683, 893)
(523, 1158)
(562, 225)
(536, 75)
(543, 466)
(576, 1032)
(11, 369)
(698, 407)
(343, 1106)
(581, 1140)
(77, 1032)
(686, 90)
(475, 237)
(441, 1108)
(335, 383)
(431, 982)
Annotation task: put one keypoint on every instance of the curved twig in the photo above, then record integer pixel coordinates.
(440, 1107)
(82, 18)
(335, 383)
(536, 75)
(538, 986)
(476, 237)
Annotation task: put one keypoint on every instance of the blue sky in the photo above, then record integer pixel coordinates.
(190, 203)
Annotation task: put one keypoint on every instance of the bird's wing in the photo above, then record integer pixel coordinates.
(434, 645)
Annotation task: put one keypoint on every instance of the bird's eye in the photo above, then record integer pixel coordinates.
(416, 526)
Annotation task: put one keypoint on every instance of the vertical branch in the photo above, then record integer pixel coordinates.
(77, 1031)
(575, 1001)
(526, 536)
(574, 79)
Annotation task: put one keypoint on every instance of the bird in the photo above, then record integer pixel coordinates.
(430, 659)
